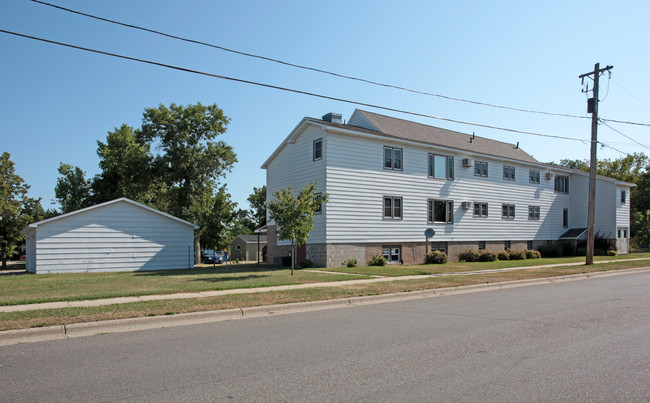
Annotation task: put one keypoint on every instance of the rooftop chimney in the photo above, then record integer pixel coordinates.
(333, 118)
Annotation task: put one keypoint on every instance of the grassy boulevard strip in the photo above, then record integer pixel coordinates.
(241, 286)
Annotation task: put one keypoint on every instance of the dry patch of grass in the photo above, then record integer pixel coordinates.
(29, 289)
(20, 320)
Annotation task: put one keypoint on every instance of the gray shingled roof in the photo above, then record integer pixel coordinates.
(253, 238)
(421, 133)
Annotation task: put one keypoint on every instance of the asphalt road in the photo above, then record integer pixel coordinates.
(579, 341)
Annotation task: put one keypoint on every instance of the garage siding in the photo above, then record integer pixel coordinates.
(120, 236)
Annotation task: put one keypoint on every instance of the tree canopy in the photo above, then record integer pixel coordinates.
(294, 214)
(16, 208)
(257, 201)
(173, 163)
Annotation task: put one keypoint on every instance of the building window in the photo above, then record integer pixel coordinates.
(318, 149)
(565, 218)
(508, 172)
(623, 197)
(480, 168)
(238, 247)
(393, 158)
(481, 245)
(441, 211)
(392, 253)
(533, 176)
(507, 211)
(440, 246)
(441, 166)
(507, 244)
(480, 209)
(533, 212)
(562, 184)
(393, 207)
(529, 245)
(319, 209)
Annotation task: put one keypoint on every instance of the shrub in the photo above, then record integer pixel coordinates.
(468, 255)
(611, 253)
(435, 257)
(600, 242)
(487, 256)
(503, 255)
(568, 249)
(581, 251)
(551, 249)
(600, 252)
(377, 260)
(532, 254)
(306, 264)
(350, 263)
(517, 254)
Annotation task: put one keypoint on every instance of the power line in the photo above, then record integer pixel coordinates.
(624, 135)
(305, 67)
(288, 89)
(633, 96)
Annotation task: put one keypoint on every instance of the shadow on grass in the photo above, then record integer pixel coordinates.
(225, 279)
(221, 269)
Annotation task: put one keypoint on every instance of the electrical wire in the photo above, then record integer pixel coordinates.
(305, 67)
(626, 136)
(288, 89)
(633, 96)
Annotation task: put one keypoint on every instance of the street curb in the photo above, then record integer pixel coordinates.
(10, 337)
(32, 335)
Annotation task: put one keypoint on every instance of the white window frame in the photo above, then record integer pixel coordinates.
(449, 166)
(533, 176)
(533, 212)
(507, 174)
(392, 162)
(449, 213)
(393, 250)
(392, 207)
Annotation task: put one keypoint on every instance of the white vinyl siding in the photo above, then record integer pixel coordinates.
(355, 179)
(115, 237)
(294, 166)
(357, 183)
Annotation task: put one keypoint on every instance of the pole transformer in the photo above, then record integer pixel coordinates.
(592, 107)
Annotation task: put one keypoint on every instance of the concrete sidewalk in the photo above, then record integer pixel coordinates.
(204, 294)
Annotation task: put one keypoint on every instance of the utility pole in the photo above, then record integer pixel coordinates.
(592, 107)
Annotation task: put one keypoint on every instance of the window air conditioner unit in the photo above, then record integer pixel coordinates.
(467, 205)
(467, 162)
(549, 176)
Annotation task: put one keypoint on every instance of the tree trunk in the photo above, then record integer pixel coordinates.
(197, 249)
(293, 256)
(4, 263)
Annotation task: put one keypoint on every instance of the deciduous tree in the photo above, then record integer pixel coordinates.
(294, 214)
(16, 209)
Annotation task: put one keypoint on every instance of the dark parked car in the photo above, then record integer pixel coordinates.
(211, 257)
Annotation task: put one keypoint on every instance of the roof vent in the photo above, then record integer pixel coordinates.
(333, 118)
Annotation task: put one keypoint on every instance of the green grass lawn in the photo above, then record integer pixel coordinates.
(399, 270)
(48, 317)
(28, 289)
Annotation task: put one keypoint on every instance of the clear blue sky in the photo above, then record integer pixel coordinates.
(57, 102)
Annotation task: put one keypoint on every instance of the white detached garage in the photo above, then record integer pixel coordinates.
(119, 235)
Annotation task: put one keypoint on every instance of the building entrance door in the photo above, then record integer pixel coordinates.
(622, 240)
